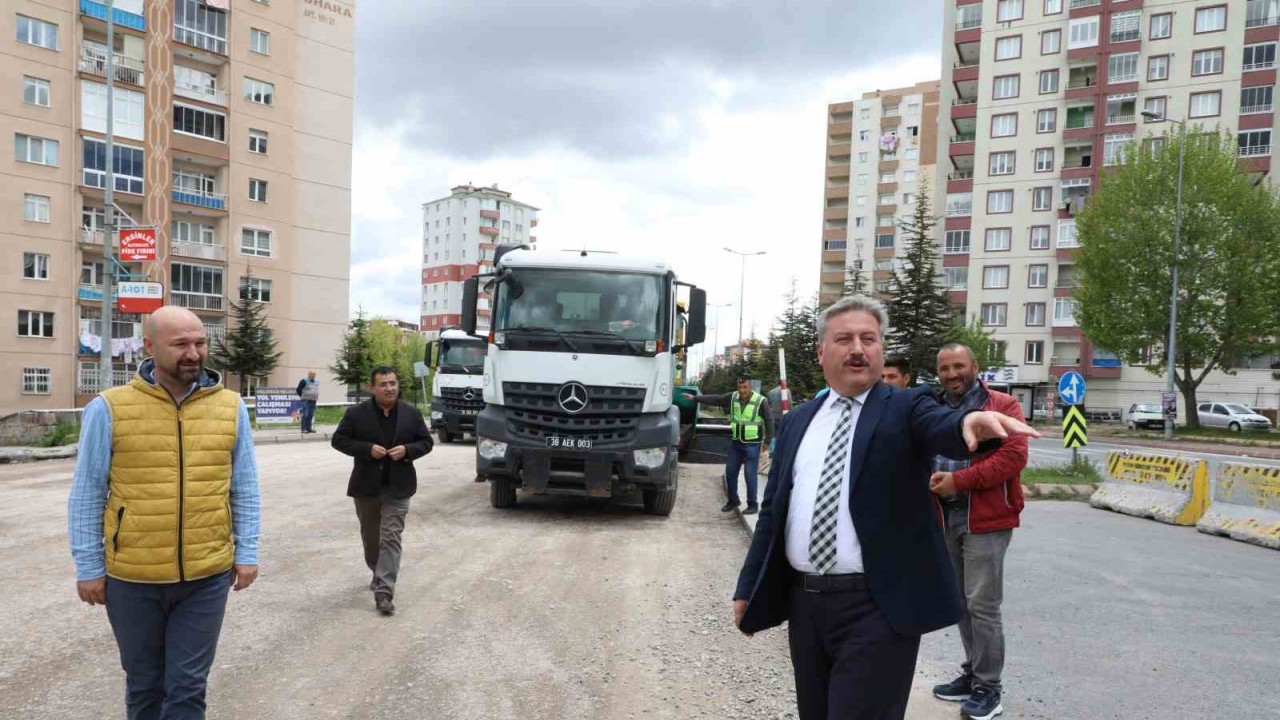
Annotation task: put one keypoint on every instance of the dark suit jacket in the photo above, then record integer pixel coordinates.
(359, 431)
(897, 519)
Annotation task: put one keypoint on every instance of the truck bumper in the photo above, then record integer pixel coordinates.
(453, 421)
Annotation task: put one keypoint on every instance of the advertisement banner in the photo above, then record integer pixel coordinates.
(138, 245)
(277, 405)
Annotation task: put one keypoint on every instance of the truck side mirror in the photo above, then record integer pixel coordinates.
(696, 329)
(430, 358)
(470, 291)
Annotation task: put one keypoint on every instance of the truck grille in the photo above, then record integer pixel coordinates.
(611, 416)
(455, 400)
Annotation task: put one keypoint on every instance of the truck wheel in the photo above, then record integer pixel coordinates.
(445, 437)
(502, 492)
(662, 501)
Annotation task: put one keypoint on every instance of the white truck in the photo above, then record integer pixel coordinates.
(456, 361)
(580, 377)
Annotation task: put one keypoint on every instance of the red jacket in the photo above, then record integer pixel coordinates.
(994, 480)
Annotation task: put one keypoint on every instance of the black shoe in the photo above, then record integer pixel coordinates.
(752, 509)
(385, 606)
(983, 704)
(730, 506)
(957, 690)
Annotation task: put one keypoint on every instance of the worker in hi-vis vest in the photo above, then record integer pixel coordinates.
(750, 423)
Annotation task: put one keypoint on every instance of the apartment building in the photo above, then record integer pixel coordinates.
(459, 235)
(880, 150)
(232, 138)
(1040, 97)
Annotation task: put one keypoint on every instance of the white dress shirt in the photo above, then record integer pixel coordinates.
(807, 472)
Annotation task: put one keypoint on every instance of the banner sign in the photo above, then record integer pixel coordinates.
(138, 245)
(139, 297)
(277, 405)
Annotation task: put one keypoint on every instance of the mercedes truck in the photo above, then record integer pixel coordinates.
(456, 362)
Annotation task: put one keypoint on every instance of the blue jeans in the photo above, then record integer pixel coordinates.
(308, 414)
(746, 456)
(167, 635)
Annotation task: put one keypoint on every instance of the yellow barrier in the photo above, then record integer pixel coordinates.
(1171, 490)
(1246, 505)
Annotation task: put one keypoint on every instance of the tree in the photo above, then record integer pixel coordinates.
(354, 362)
(920, 316)
(855, 283)
(391, 345)
(248, 351)
(1228, 261)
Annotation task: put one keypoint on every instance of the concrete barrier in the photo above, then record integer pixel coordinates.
(1246, 505)
(1172, 490)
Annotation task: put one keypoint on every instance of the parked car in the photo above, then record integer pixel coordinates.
(1144, 416)
(1232, 416)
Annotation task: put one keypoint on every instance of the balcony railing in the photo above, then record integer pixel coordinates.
(1064, 321)
(968, 24)
(203, 93)
(961, 65)
(959, 210)
(203, 251)
(964, 137)
(964, 101)
(89, 236)
(199, 39)
(1251, 109)
(892, 112)
(1078, 4)
(960, 175)
(125, 69)
(1121, 119)
(1079, 123)
(1067, 282)
(196, 301)
(88, 377)
(1063, 361)
(1259, 65)
(202, 198)
(1078, 83)
(1255, 150)
(119, 15)
(1068, 242)
(834, 245)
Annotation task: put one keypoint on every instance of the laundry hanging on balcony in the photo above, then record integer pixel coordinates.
(888, 142)
(127, 348)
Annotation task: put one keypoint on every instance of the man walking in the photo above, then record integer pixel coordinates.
(750, 421)
(981, 501)
(163, 516)
(309, 391)
(384, 435)
(897, 372)
(849, 547)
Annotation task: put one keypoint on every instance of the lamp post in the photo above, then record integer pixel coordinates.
(741, 285)
(718, 307)
(1173, 297)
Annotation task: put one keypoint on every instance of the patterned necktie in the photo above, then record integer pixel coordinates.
(822, 533)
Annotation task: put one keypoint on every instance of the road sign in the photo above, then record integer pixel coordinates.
(138, 245)
(1074, 430)
(420, 369)
(1071, 388)
(139, 297)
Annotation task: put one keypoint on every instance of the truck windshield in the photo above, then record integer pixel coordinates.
(628, 305)
(464, 354)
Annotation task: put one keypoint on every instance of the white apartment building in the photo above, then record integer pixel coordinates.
(459, 235)
(1039, 97)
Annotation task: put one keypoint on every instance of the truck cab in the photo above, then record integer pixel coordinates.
(456, 361)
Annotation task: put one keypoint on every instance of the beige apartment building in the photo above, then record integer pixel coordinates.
(232, 133)
(880, 150)
(1041, 96)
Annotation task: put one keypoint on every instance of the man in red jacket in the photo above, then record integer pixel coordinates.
(981, 500)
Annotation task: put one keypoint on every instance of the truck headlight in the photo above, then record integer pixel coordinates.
(491, 449)
(651, 457)
(437, 415)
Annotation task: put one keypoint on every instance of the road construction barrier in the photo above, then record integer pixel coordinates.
(1172, 490)
(1246, 505)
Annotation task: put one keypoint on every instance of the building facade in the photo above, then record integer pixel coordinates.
(232, 138)
(459, 234)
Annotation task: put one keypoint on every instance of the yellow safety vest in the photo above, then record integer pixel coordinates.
(745, 422)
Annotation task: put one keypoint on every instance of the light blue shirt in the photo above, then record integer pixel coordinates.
(89, 492)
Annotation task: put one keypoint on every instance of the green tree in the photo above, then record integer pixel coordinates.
(1228, 260)
(920, 316)
(855, 282)
(391, 345)
(249, 350)
(354, 362)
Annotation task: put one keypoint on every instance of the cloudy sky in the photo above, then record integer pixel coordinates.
(663, 127)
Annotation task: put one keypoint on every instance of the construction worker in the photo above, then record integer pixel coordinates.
(749, 414)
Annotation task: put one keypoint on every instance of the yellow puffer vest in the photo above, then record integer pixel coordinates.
(168, 514)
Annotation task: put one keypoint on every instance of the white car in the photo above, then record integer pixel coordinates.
(1232, 416)
(1144, 416)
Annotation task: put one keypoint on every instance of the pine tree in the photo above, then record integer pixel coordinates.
(920, 316)
(354, 361)
(855, 283)
(250, 349)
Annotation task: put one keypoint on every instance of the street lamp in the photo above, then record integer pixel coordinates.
(741, 283)
(718, 307)
(1173, 298)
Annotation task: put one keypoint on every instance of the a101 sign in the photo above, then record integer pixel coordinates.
(138, 245)
(139, 297)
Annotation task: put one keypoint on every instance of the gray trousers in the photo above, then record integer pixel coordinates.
(978, 559)
(381, 523)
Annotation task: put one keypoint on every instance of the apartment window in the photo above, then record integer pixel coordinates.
(91, 273)
(35, 208)
(1158, 67)
(998, 239)
(198, 25)
(1005, 86)
(40, 151)
(1000, 201)
(35, 266)
(258, 91)
(1044, 159)
(1039, 237)
(257, 190)
(908, 176)
(1052, 7)
(1050, 42)
(127, 162)
(885, 199)
(862, 179)
(258, 142)
(1206, 62)
(184, 231)
(959, 204)
(32, 323)
(885, 221)
(1156, 105)
(862, 157)
(36, 380)
(995, 277)
(859, 222)
(995, 314)
(968, 16)
(1004, 125)
(1161, 26)
(1002, 163)
(197, 279)
(1082, 32)
(884, 265)
(955, 278)
(1257, 98)
(956, 242)
(910, 153)
(1254, 143)
(1009, 48)
(129, 108)
(884, 241)
(1206, 104)
(1126, 26)
(260, 41)
(1211, 19)
(256, 289)
(1121, 109)
(1260, 57)
(1048, 81)
(886, 178)
(1008, 10)
(1113, 148)
(1037, 276)
(860, 200)
(35, 91)
(1064, 311)
(1122, 68)
(37, 32)
(864, 134)
(908, 198)
(1067, 237)
(190, 120)
(1046, 121)
(1034, 354)
(1042, 197)
(1035, 314)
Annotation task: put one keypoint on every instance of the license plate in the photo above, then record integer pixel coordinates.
(569, 443)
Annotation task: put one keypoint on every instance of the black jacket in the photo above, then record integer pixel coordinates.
(359, 431)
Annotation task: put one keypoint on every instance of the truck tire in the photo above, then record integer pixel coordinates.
(445, 437)
(502, 492)
(662, 501)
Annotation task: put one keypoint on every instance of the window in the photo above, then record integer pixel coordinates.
(1052, 7)
(955, 278)
(1256, 98)
(1042, 198)
(91, 273)
(35, 266)
(968, 16)
(129, 108)
(260, 41)
(1067, 237)
(197, 279)
(1002, 163)
(36, 380)
(258, 91)
(1044, 160)
(1154, 105)
(256, 289)
(199, 25)
(885, 199)
(884, 241)
(859, 222)
(1211, 19)
(998, 239)
(1009, 48)
(1034, 354)
(910, 153)
(1050, 42)
(35, 91)
(255, 242)
(32, 323)
(860, 200)
(190, 120)
(1046, 121)
(1113, 148)
(864, 134)
(1126, 26)
(257, 190)
(885, 221)
(1206, 104)
(1064, 311)
(1007, 10)
(40, 151)
(995, 277)
(1121, 109)
(1035, 314)
(1005, 86)
(37, 32)
(908, 198)
(258, 142)
(862, 179)
(1161, 26)
(885, 265)
(1122, 68)
(959, 204)
(1000, 201)
(127, 162)
(908, 176)
(1206, 62)
(1254, 142)
(956, 243)
(1039, 237)
(862, 157)
(35, 208)
(1037, 276)
(1005, 125)
(1082, 32)
(1048, 81)
(1260, 57)
(1158, 67)
(995, 314)
(184, 231)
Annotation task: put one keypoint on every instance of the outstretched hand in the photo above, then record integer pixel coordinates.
(988, 425)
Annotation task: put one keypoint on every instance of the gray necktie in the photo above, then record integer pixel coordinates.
(822, 533)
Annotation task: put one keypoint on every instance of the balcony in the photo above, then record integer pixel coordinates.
(1121, 119)
(1260, 13)
(200, 198)
(1255, 109)
(960, 175)
(963, 137)
(203, 93)
(969, 23)
(965, 72)
(202, 251)
(90, 236)
(90, 293)
(960, 210)
(200, 39)
(1064, 361)
(1255, 150)
(214, 332)
(125, 69)
(88, 376)
(488, 230)
(489, 214)
(127, 13)
(1069, 281)
(196, 301)
(1081, 4)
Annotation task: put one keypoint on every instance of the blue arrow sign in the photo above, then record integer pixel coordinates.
(1071, 388)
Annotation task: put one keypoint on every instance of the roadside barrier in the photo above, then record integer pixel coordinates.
(1168, 489)
(1246, 505)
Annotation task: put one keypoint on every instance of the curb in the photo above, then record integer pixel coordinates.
(13, 455)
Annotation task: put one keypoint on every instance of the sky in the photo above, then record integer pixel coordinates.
(657, 127)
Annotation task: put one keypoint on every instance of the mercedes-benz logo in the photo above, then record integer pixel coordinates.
(573, 397)
(469, 394)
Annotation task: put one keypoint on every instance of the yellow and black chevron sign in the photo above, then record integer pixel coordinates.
(1074, 431)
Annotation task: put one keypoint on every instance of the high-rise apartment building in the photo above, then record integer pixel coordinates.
(1041, 97)
(880, 150)
(459, 235)
(232, 138)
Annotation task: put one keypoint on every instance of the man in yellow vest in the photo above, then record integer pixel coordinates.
(164, 516)
(750, 423)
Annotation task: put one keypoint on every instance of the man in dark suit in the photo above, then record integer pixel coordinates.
(849, 545)
(384, 435)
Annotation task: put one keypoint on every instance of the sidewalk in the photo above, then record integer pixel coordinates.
(323, 433)
(1260, 446)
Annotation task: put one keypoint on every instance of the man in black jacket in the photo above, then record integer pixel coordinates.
(385, 436)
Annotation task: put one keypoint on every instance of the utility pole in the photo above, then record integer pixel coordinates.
(742, 279)
(105, 374)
